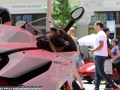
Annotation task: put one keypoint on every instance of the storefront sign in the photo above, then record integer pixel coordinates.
(28, 6)
(111, 26)
(16, 8)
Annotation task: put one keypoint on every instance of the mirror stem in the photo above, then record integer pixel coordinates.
(68, 26)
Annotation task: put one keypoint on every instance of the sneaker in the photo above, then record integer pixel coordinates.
(117, 88)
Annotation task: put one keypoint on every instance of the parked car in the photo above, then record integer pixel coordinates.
(88, 70)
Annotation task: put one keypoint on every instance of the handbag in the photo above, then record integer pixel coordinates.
(108, 66)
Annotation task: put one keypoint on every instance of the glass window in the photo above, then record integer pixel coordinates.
(117, 19)
(110, 16)
(104, 17)
(27, 18)
(30, 18)
(94, 18)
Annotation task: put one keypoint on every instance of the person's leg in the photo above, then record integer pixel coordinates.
(100, 68)
(117, 66)
(97, 77)
(78, 78)
(107, 85)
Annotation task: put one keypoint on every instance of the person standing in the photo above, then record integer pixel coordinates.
(101, 52)
(5, 16)
(110, 55)
(71, 32)
(116, 53)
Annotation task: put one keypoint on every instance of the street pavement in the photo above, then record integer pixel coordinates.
(90, 86)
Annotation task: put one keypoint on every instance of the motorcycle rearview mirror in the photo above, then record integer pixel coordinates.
(76, 15)
(20, 23)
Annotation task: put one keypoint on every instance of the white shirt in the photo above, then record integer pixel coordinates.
(101, 36)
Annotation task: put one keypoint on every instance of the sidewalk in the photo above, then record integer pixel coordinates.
(90, 86)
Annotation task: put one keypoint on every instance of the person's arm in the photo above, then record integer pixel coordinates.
(99, 47)
(110, 53)
(118, 54)
(100, 38)
(109, 49)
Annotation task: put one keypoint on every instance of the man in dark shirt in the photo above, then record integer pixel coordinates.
(5, 16)
(107, 32)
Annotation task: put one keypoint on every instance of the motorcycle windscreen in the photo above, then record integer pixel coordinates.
(66, 36)
(32, 29)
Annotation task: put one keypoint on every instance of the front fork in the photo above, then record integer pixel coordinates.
(67, 85)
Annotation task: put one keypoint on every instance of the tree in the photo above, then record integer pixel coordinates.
(61, 10)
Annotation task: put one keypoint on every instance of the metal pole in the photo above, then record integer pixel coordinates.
(49, 10)
(0, 20)
(115, 31)
(115, 34)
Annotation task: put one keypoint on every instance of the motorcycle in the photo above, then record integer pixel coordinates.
(29, 59)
